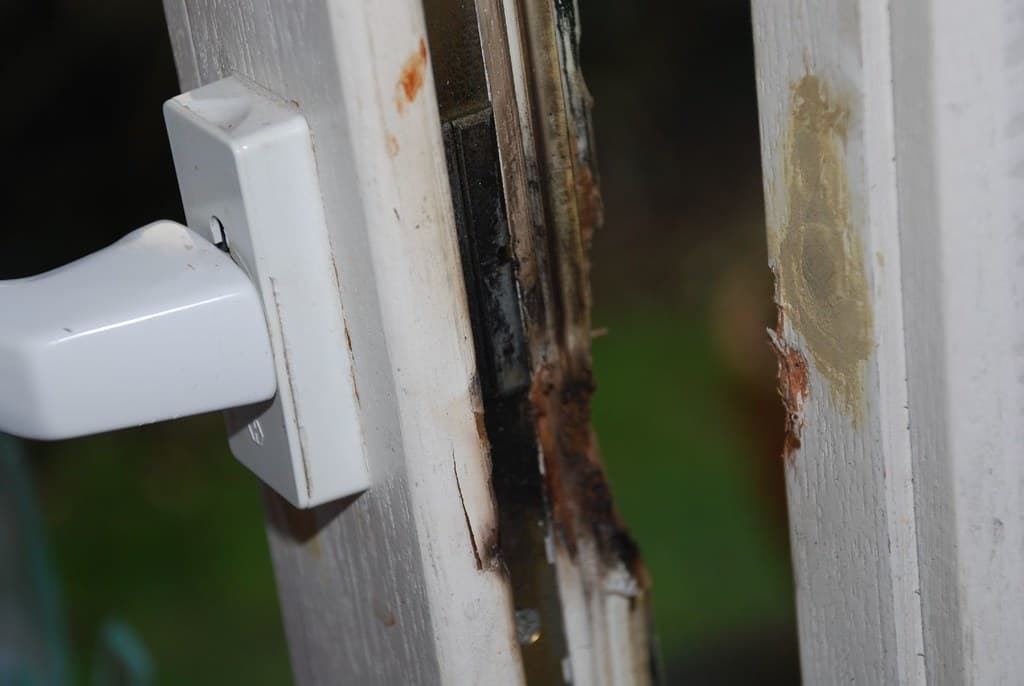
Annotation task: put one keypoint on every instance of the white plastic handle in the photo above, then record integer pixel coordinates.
(161, 324)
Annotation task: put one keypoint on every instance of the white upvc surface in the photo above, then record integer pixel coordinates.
(959, 103)
(159, 325)
(248, 176)
(893, 147)
(384, 588)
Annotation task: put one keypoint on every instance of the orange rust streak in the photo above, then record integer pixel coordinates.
(591, 206)
(410, 81)
(580, 498)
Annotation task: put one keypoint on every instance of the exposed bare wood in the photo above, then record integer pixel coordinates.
(540, 102)
(521, 546)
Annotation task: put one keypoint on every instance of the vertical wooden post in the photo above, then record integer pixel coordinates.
(892, 150)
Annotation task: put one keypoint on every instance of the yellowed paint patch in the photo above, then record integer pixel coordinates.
(822, 284)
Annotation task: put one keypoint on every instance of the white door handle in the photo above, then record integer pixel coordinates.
(159, 325)
(164, 324)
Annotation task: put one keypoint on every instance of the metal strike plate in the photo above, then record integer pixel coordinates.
(247, 173)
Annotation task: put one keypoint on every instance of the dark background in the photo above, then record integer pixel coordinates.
(160, 528)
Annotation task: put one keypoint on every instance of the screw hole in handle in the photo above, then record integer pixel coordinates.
(220, 239)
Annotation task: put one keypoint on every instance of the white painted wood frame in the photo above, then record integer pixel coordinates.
(893, 150)
(386, 588)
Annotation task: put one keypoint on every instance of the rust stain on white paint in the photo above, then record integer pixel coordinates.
(410, 81)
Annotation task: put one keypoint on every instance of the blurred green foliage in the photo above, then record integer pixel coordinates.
(683, 480)
(162, 529)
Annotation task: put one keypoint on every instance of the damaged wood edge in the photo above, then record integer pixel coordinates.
(567, 321)
(504, 57)
(521, 547)
(793, 385)
(817, 262)
(582, 503)
(545, 462)
(580, 105)
(553, 162)
(518, 549)
(821, 277)
(562, 378)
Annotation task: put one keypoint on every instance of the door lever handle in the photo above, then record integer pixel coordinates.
(159, 325)
(164, 324)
